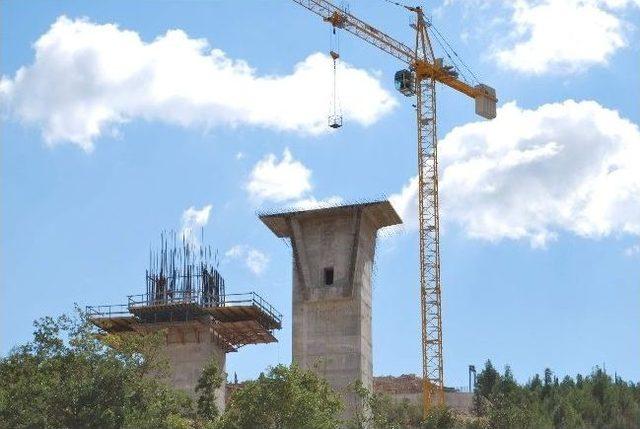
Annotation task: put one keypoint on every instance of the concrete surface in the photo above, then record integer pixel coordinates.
(188, 350)
(332, 322)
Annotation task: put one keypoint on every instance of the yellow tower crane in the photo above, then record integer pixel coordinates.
(424, 70)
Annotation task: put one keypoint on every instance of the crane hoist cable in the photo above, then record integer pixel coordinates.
(439, 35)
(335, 113)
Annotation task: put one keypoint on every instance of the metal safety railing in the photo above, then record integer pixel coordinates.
(107, 310)
(197, 297)
(165, 297)
(252, 298)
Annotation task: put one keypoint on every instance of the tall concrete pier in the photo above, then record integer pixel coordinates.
(333, 254)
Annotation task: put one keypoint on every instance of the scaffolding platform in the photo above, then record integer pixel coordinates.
(235, 320)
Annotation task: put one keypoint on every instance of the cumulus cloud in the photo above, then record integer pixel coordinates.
(279, 180)
(285, 180)
(564, 35)
(311, 202)
(192, 219)
(406, 204)
(531, 174)
(89, 78)
(632, 250)
(253, 259)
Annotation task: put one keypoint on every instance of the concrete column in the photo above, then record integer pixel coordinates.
(188, 351)
(333, 254)
(332, 322)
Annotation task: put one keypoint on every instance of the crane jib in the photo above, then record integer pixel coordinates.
(484, 95)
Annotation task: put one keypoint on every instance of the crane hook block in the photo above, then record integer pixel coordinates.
(335, 121)
(334, 55)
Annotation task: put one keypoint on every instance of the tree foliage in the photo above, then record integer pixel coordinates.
(71, 376)
(209, 382)
(67, 378)
(284, 398)
(381, 411)
(594, 401)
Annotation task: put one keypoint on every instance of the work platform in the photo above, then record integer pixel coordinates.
(233, 320)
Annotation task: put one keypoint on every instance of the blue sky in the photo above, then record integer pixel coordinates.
(122, 123)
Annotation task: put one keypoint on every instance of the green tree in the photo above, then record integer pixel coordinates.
(486, 383)
(69, 377)
(283, 398)
(391, 414)
(439, 418)
(362, 415)
(381, 411)
(208, 383)
(593, 401)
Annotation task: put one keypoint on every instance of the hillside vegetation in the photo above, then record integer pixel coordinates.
(71, 376)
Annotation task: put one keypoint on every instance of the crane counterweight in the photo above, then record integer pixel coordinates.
(485, 101)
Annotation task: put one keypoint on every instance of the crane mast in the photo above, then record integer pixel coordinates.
(429, 224)
(420, 80)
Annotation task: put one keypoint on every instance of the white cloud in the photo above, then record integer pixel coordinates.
(254, 259)
(285, 181)
(311, 202)
(235, 252)
(632, 250)
(406, 203)
(279, 181)
(564, 35)
(89, 78)
(192, 219)
(531, 174)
